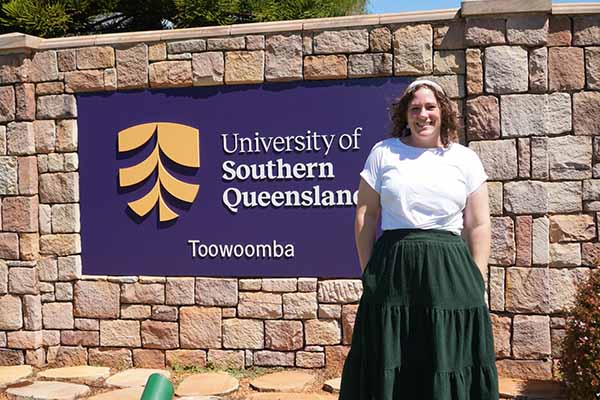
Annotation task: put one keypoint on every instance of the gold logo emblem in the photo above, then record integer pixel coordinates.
(180, 143)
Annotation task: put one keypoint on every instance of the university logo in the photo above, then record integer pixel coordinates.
(180, 144)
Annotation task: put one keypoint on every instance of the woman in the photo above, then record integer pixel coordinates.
(422, 330)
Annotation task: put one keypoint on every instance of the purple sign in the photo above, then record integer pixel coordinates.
(234, 181)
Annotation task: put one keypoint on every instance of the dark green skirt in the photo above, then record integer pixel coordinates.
(422, 329)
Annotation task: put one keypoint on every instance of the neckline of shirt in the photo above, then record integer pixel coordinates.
(430, 149)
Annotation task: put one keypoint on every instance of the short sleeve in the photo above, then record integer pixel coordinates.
(371, 172)
(475, 173)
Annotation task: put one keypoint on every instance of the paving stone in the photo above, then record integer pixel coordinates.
(134, 377)
(14, 374)
(285, 381)
(120, 394)
(207, 384)
(332, 385)
(83, 374)
(48, 391)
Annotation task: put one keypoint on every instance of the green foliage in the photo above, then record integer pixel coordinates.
(580, 363)
(52, 18)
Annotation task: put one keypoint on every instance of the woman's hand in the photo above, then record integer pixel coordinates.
(477, 227)
(365, 224)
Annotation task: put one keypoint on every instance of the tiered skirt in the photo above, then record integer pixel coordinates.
(422, 329)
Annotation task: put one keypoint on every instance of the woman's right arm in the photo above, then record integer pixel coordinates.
(365, 225)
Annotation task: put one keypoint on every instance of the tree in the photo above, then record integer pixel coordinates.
(54, 18)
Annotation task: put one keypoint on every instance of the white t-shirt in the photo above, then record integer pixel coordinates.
(423, 188)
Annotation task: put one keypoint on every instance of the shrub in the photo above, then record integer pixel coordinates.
(580, 363)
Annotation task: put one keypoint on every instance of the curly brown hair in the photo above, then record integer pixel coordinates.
(399, 109)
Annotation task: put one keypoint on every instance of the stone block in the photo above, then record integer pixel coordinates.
(559, 31)
(63, 291)
(95, 57)
(527, 30)
(56, 106)
(110, 79)
(180, 291)
(453, 85)
(71, 162)
(413, 50)
(495, 197)
(300, 305)
(24, 339)
(574, 164)
(3, 277)
(540, 163)
(255, 42)
(244, 67)
(86, 324)
(572, 228)
(226, 359)
(279, 285)
(506, 69)
(96, 299)
(35, 358)
(499, 158)
(65, 218)
(325, 67)
(369, 65)
(449, 35)
(200, 327)
(165, 313)
(502, 329)
(79, 338)
(160, 335)
(43, 66)
(23, 281)
(187, 46)
(586, 119)
(11, 317)
(7, 103)
(32, 312)
(66, 135)
(260, 305)
(69, 268)
(28, 175)
(336, 356)
(216, 292)
(503, 241)
(307, 284)
(322, 332)
(171, 74)
(9, 246)
(563, 287)
(208, 68)
(449, 62)
(566, 69)
(348, 318)
(590, 254)
(20, 214)
(339, 291)
(541, 241)
(8, 176)
(14, 68)
(538, 70)
(115, 333)
(536, 114)
(380, 40)
(58, 316)
(56, 162)
(67, 60)
(143, 358)
(309, 359)
(157, 51)
(496, 285)
(341, 41)
(29, 246)
(267, 358)
(114, 358)
(185, 358)
(138, 293)
(84, 81)
(586, 30)
(474, 70)
(42, 89)
(136, 311)
(132, 66)
(557, 337)
(592, 67)
(564, 197)
(531, 336)
(11, 357)
(20, 138)
(283, 57)
(523, 236)
(61, 244)
(250, 284)
(485, 32)
(284, 335)
(565, 255)
(243, 334)
(59, 187)
(45, 136)
(528, 290)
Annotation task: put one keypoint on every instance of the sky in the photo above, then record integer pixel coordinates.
(391, 6)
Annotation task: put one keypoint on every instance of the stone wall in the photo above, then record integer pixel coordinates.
(527, 86)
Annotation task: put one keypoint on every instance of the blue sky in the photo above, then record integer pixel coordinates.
(389, 6)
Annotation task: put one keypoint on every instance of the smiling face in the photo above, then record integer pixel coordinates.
(424, 119)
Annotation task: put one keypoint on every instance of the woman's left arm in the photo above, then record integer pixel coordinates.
(477, 227)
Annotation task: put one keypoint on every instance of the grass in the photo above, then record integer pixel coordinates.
(238, 373)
